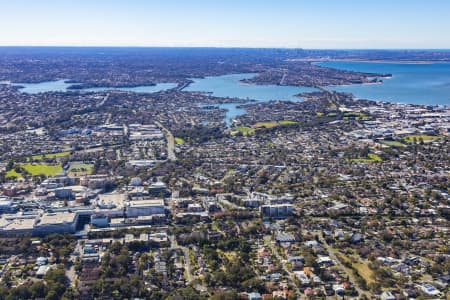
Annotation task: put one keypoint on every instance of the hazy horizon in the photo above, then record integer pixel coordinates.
(322, 24)
(225, 47)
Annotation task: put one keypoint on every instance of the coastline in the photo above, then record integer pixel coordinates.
(364, 83)
(379, 61)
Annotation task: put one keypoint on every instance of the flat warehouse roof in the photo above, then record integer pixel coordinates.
(152, 202)
(57, 218)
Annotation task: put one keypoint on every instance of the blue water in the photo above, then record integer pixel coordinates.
(231, 86)
(42, 87)
(138, 89)
(62, 85)
(411, 83)
(232, 111)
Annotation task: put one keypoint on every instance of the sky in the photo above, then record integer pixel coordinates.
(324, 24)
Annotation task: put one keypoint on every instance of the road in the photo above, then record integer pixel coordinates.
(108, 119)
(268, 241)
(5, 267)
(170, 142)
(340, 265)
(71, 274)
(284, 77)
(187, 264)
(103, 101)
(187, 260)
(324, 89)
(118, 154)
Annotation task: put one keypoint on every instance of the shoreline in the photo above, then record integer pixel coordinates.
(379, 61)
(362, 84)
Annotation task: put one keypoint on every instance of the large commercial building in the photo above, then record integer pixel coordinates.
(99, 181)
(102, 213)
(139, 132)
(145, 207)
(277, 210)
(19, 225)
(6, 205)
(61, 222)
(158, 189)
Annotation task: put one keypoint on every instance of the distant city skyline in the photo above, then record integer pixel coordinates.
(318, 24)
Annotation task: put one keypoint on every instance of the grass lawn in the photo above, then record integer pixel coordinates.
(362, 268)
(179, 141)
(214, 226)
(265, 124)
(393, 143)
(12, 173)
(230, 172)
(80, 169)
(370, 158)
(250, 130)
(288, 122)
(356, 115)
(45, 169)
(364, 271)
(245, 130)
(50, 155)
(274, 124)
(230, 255)
(419, 137)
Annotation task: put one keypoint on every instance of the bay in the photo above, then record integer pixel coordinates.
(62, 86)
(231, 86)
(411, 83)
(43, 87)
(137, 89)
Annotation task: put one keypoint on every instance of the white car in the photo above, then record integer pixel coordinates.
(429, 289)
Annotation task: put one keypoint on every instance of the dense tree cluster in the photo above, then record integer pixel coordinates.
(53, 287)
